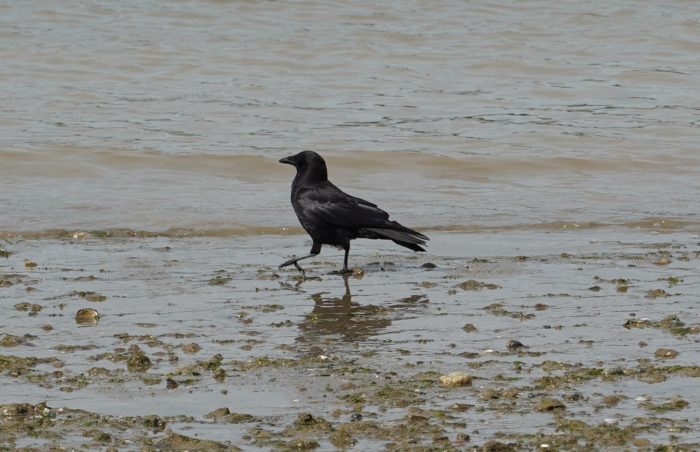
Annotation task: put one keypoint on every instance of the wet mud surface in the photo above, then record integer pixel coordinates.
(559, 340)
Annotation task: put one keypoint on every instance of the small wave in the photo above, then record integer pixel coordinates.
(80, 162)
(663, 225)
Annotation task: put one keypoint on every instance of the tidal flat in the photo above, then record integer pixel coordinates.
(561, 339)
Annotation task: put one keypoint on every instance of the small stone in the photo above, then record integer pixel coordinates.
(594, 289)
(28, 264)
(663, 261)
(171, 384)
(87, 316)
(665, 353)
(463, 437)
(218, 413)
(549, 404)
(428, 265)
(515, 345)
(356, 417)
(656, 293)
(456, 379)
(611, 401)
(469, 328)
(137, 360)
(155, 422)
(191, 348)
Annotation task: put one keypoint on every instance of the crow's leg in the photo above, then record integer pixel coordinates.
(315, 249)
(295, 262)
(345, 270)
(345, 261)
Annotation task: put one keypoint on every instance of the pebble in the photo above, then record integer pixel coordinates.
(515, 345)
(463, 437)
(665, 353)
(549, 404)
(469, 328)
(454, 379)
(87, 316)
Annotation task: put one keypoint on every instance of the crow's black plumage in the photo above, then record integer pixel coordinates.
(332, 217)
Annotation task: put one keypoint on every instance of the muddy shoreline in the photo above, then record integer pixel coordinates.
(505, 340)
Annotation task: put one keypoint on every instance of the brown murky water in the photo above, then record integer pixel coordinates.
(549, 150)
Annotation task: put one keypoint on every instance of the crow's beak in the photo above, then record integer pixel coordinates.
(287, 160)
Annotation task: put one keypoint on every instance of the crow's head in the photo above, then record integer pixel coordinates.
(309, 165)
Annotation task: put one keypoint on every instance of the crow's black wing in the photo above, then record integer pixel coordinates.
(327, 206)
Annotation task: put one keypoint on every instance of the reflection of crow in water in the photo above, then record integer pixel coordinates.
(340, 316)
(332, 217)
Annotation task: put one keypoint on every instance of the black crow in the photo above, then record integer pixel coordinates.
(332, 217)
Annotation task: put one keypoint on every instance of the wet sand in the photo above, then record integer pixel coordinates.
(579, 339)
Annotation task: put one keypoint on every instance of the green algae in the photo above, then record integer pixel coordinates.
(473, 284)
(9, 279)
(224, 415)
(178, 442)
(569, 378)
(89, 296)
(672, 405)
(31, 307)
(670, 323)
(498, 310)
(219, 280)
(549, 404)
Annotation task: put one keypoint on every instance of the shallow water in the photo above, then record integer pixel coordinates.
(350, 338)
(549, 149)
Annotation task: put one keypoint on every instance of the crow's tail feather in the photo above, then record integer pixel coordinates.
(412, 246)
(399, 234)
